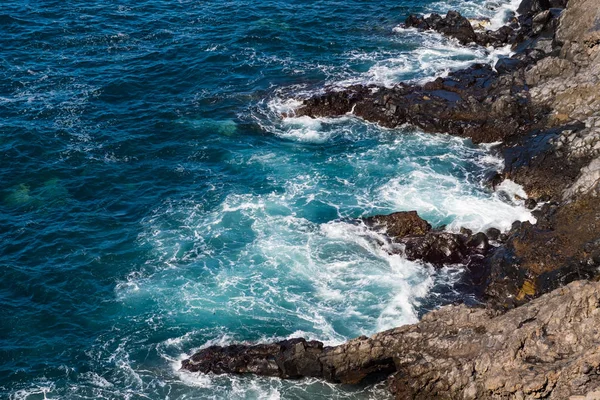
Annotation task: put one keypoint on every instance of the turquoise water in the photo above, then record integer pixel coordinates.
(153, 201)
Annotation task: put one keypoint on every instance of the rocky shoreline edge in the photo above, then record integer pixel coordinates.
(538, 335)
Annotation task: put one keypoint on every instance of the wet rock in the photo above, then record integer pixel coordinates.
(453, 25)
(437, 248)
(548, 348)
(492, 179)
(506, 64)
(475, 103)
(530, 204)
(493, 233)
(533, 6)
(538, 258)
(479, 243)
(532, 161)
(497, 38)
(293, 358)
(466, 231)
(400, 224)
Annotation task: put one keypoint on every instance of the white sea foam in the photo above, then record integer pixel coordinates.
(37, 391)
(261, 256)
(444, 199)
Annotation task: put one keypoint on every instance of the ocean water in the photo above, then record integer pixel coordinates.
(153, 201)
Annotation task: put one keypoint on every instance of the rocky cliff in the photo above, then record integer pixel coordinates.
(539, 336)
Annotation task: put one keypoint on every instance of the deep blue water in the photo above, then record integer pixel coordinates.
(153, 201)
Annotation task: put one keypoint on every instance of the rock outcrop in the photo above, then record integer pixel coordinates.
(548, 348)
(417, 241)
(400, 224)
(476, 103)
(452, 25)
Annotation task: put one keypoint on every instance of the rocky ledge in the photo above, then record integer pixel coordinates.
(548, 348)
(538, 334)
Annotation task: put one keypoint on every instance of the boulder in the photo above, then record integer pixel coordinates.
(400, 224)
(437, 248)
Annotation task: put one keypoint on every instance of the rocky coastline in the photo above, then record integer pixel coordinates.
(536, 334)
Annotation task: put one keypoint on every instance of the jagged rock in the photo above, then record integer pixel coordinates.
(497, 38)
(287, 359)
(548, 348)
(419, 242)
(588, 180)
(400, 224)
(478, 243)
(533, 6)
(465, 231)
(532, 161)
(538, 258)
(437, 248)
(492, 179)
(440, 248)
(453, 25)
(475, 103)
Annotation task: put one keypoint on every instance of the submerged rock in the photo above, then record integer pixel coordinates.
(549, 348)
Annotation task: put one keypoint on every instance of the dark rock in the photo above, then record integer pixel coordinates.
(475, 103)
(452, 25)
(492, 179)
(544, 198)
(497, 38)
(416, 21)
(532, 161)
(493, 233)
(530, 204)
(539, 258)
(465, 231)
(437, 248)
(479, 243)
(400, 224)
(515, 226)
(558, 3)
(293, 358)
(533, 6)
(506, 64)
